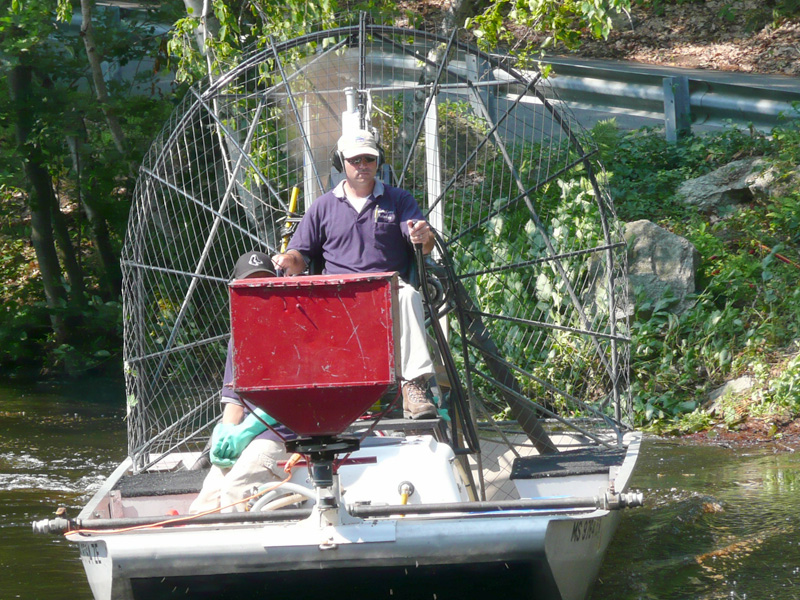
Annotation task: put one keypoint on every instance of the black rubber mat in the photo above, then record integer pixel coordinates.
(585, 461)
(161, 484)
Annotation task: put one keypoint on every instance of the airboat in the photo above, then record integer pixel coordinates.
(517, 487)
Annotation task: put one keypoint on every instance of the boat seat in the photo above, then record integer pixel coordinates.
(588, 461)
(161, 483)
(436, 427)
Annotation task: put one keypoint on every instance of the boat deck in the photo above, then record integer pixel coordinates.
(178, 482)
(584, 461)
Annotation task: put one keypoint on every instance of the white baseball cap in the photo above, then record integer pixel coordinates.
(358, 143)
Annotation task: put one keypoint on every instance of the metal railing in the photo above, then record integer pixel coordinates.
(713, 98)
(678, 98)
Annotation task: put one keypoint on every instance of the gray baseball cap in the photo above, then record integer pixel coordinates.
(253, 262)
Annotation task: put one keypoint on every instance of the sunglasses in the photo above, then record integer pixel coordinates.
(357, 160)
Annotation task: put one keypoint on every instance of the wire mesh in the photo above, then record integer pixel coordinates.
(502, 171)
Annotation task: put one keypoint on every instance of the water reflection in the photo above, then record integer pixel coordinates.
(718, 523)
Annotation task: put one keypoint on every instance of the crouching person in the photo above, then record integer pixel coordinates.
(244, 452)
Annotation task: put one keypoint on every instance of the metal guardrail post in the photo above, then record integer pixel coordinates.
(677, 109)
(478, 71)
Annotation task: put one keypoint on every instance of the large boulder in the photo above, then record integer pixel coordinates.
(659, 260)
(736, 183)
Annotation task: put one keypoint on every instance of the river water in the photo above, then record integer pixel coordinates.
(56, 446)
(717, 522)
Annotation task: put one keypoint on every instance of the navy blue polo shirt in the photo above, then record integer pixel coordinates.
(372, 241)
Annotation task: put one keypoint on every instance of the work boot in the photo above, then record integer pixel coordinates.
(415, 403)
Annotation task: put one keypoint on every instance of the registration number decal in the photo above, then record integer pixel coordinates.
(93, 553)
(585, 529)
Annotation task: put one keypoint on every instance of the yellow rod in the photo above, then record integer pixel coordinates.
(292, 210)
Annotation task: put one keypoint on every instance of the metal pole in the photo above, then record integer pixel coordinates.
(677, 110)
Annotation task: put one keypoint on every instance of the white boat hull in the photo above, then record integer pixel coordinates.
(545, 554)
(545, 550)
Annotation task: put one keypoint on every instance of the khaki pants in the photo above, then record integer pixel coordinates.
(255, 467)
(415, 359)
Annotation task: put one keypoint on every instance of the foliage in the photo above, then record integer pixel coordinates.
(568, 210)
(784, 390)
(23, 318)
(92, 180)
(26, 341)
(27, 26)
(236, 25)
(645, 169)
(747, 305)
(562, 22)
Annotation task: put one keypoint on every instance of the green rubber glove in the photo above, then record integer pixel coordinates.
(233, 439)
(220, 433)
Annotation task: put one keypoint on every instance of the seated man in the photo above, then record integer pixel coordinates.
(364, 226)
(244, 452)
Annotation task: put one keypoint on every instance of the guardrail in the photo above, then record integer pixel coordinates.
(680, 97)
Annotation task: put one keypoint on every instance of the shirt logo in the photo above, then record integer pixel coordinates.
(384, 216)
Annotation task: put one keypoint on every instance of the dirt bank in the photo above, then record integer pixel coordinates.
(726, 35)
(736, 35)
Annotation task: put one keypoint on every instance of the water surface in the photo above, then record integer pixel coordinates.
(57, 443)
(717, 523)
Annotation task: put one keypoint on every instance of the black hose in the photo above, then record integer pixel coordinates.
(456, 389)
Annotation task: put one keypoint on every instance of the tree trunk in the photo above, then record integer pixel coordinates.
(40, 199)
(110, 275)
(87, 33)
(209, 25)
(457, 12)
(68, 255)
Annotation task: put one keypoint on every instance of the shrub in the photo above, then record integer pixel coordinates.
(747, 307)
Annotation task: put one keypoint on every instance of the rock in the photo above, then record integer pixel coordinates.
(735, 183)
(735, 386)
(762, 183)
(786, 185)
(731, 388)
(659, 260)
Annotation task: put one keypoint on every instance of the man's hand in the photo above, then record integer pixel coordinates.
(291, 262)
(421, 233)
